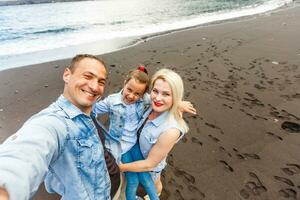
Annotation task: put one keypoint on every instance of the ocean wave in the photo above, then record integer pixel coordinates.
(55, 30)
(118, 22)
(28, 33)
(5, 37)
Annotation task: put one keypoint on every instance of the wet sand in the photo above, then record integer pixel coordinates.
(244, 78)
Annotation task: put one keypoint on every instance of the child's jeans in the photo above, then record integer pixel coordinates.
(134, 178)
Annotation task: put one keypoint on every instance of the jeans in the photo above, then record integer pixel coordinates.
(134, 178)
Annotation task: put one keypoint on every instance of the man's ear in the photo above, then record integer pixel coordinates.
(66, 75)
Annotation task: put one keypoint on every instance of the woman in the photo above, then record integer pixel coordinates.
(163, 126)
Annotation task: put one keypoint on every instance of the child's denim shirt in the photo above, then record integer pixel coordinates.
(59, 145)
(116, 108)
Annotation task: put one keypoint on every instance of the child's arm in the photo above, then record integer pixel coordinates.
(102, 106)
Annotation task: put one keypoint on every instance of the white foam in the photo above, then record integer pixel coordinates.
(96, 33)
(202, 19)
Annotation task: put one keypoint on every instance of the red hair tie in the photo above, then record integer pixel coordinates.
(142, 68)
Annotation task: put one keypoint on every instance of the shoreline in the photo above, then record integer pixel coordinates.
(115, 44)
(244, 79)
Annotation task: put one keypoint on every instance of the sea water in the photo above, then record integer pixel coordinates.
(42, 32)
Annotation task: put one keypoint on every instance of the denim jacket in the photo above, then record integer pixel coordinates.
(151, 132)
(115, 107)
(59, 146)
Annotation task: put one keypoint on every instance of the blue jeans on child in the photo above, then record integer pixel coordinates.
(134, 178)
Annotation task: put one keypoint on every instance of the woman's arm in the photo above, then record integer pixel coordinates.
(159, 151)
(186, 106)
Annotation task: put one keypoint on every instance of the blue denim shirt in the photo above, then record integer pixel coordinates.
(116, 109)
(60, 146)
(151, 132)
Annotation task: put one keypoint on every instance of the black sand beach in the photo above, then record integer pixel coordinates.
(244, 78)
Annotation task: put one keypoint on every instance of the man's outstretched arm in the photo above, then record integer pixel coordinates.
(26, 156)
(3, 194)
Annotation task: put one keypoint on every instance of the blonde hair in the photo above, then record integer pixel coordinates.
(176, 84)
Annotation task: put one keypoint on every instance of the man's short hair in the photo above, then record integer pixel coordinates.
(80, 57)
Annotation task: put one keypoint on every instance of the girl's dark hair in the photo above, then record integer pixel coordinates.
(140, 75)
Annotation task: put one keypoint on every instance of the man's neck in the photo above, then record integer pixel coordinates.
(86, 110)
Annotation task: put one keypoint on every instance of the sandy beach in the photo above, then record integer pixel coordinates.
(244, 78)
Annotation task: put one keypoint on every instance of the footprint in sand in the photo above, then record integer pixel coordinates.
(244, 194)
(187, 94)
(291, 127)
(292, 96)
(288, 193)
(284, 180)
(245, 156)
(170, 160)
(259, 117)
(227, 106)
(250, 94)
(196, 141)
(240, 156)
(178, 195)
(254, 102)
(191, 79)
(251, 155)
(213, 138)
(291, 169)
(188, 177)
(214, 127)
(210, 125)
(196, 191)
(253, 187)
(222, 149)
(259, 87)
(274, 135)
(226, 165)
(165, 194)
(175, 184)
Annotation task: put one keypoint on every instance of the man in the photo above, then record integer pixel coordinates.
(60, 145)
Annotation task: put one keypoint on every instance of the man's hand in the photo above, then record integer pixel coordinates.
(3, 194)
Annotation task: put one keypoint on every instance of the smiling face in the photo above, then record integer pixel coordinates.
(161, 96)
(85, 83)
(133, 91)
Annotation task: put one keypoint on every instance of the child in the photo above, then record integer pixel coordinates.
(125, 109)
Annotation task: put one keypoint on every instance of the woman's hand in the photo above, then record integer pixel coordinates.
(121, 167)
(186, 106)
